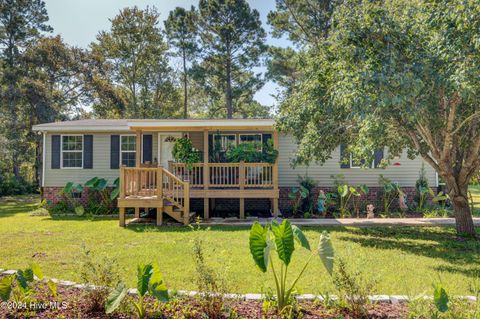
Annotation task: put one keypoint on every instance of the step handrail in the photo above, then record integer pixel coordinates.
(176, 191)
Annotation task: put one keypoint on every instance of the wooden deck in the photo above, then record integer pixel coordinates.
(169, 190)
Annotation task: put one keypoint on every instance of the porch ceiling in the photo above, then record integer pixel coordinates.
(201, 125)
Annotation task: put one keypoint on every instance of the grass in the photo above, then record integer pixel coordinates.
(404, 260)
(475, 191)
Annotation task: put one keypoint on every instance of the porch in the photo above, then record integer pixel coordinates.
(168, 186)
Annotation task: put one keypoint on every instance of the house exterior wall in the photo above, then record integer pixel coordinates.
(101, 162)
(405, 174)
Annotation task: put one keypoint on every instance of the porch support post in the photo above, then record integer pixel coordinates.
(275, 177)
(138, 148)
(206, 175)
(122, 216)
(137, 212)
(159, 220)
(241, 177)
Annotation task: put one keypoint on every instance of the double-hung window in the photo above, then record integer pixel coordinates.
(358, 164)
(251, 138)
(72, 151)
(127, 150)
(227, 141)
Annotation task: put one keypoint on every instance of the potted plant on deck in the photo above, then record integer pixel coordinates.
(184, 152)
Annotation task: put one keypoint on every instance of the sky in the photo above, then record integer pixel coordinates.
(79, 21)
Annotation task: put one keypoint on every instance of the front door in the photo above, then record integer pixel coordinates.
(165, 147)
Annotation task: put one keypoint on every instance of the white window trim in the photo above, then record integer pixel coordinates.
(226, 134)
(61, 150)
(247, 134)
(351, 163)
(120, 148)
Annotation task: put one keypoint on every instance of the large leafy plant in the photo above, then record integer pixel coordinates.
(19, 286)
(100, 198)
(280, 238)
(184, 152)
(303, 197)
(149, 280)
(390, 192)
(68, 192)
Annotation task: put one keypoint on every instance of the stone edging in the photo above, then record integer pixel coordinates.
(392, 299)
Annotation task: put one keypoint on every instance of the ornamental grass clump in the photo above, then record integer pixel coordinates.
(280, 238)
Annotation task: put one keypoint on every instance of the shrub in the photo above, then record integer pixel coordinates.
(281, 238)
(210, 281)
(353, 288)
(99, 274)
(10, 185)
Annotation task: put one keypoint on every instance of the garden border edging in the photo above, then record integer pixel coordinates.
(392, 299)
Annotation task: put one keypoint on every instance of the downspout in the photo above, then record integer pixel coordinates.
(43, 158)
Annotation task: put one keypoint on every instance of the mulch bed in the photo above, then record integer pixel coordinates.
(72, 303)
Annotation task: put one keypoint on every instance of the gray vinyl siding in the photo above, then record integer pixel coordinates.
(406, 174)
(101, 162)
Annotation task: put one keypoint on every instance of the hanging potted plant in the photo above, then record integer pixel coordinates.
(184, 152)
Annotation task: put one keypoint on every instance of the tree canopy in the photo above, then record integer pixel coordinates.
(232, 40)
(395, 74)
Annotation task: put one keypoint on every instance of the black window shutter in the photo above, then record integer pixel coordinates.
(266, 138)
(147, 148)
(344, 161)
(88, 151)
(114, 151)
(378, 157)
(55, 151)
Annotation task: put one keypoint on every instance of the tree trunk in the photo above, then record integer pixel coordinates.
(185, 80)
(228, 93)
(463, 215)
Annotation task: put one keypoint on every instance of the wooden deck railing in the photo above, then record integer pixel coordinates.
(226, 175)
(157, 182)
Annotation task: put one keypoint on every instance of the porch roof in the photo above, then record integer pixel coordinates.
(108, 125)
(198, 125)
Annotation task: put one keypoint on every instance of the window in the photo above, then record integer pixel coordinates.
(227, 141)
(356, 164)
(72, 151)
(127, 150)
(251, 138)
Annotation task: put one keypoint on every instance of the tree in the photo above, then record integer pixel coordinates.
(133, 67)
(181, 30)
(305, 22)
(21, 24)
(396, 74)
(232, 40)
(53, 89)
(283, 68)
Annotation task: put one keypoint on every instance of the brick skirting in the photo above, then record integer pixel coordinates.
(260, 207)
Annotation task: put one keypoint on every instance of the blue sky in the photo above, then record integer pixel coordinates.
(79, 21)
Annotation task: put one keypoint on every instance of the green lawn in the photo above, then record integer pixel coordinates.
(475, 190)
(404, 260)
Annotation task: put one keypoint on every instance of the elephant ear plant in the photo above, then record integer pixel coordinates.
(19, 286)
(149, 280)
(281, 238)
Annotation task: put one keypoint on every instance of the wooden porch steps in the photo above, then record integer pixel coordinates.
(175, 212)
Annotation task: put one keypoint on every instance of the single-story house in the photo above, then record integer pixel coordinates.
(140, 153)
